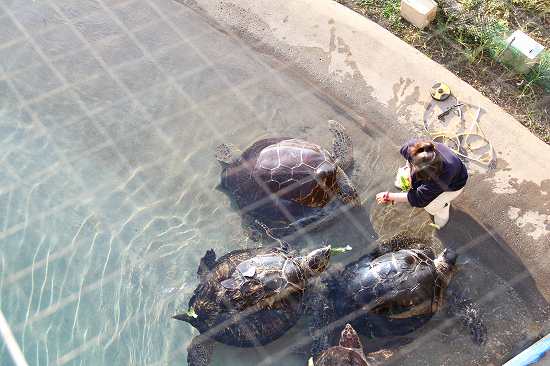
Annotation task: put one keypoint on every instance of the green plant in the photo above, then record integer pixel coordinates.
(392, 11)
(481, 27)
(540, 73)
(405, 184)
(471, 4)
(492, 36)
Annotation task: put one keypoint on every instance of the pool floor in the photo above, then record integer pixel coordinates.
(110, 112)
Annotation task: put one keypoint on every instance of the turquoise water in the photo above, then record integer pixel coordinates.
(110, 112)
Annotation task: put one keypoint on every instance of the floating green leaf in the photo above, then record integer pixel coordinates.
(340, 250)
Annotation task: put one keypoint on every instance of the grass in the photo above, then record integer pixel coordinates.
(391, 12)
(483, 26)
(468, 37)
(536, 5)
(541, 73)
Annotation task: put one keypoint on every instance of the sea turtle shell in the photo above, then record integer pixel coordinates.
(393, 294)
(398, 284)
(292, 169)
(301, 171)
(252, 296)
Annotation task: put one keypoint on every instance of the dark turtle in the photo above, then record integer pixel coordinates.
(349, 352)
(248, 297)
(286, 182)
(399, 291)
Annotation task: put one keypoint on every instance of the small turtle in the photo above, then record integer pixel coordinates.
(399, 291)
(288, 182)
(248, 297)
(349, 352)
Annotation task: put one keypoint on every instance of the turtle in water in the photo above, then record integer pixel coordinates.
(249, 297)
(349, 351)
(289, 183)
(397, 292)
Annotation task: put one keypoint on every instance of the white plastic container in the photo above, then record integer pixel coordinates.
(420, 13)
(522, 52)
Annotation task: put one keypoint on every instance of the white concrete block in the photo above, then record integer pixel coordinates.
(419, 12)
(522, 52)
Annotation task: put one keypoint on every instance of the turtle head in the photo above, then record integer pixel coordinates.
(227, 154)
(445, 264)
(349, 338)
(317, 261)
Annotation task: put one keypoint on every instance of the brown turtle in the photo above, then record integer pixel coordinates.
(249, 297)
(289, 182)
(349, 352)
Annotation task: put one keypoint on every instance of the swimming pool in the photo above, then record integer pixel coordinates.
(110, 115)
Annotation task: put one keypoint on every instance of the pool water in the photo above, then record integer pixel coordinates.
(110, 113)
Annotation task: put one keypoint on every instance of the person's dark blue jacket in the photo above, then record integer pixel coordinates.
(452, 178)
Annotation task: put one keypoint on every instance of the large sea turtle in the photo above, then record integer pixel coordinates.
(287, 182)
(397, 292)
(349, 351)
(248, 297)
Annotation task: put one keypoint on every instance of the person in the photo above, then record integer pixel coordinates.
(435, 176)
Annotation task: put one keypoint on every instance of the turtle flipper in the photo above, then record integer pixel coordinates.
(227, 153)
(206, 264)
(276, 217)
(346, 190)
(199, 351)
(342, 147)
(468, 313)
(320, 309)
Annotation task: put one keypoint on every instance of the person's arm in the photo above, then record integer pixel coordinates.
(390, 197)
(419, 197)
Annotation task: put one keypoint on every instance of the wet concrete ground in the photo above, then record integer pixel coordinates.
(110, 112)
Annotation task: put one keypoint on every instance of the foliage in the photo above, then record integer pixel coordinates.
(392, 11)
(540, 74)
(481, 28)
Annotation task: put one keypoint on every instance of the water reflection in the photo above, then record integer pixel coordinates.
(108, 192)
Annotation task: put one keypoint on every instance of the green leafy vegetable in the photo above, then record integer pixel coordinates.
(340, 250)
(405, 184)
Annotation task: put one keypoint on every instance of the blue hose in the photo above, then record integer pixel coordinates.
(533, 354)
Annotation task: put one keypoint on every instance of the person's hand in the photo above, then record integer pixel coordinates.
(382, 198)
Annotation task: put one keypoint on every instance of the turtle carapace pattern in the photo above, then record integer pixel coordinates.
(397, 292)
(248, 297)
(289, 182)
